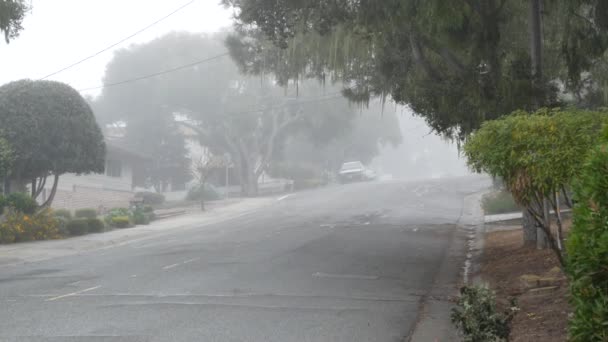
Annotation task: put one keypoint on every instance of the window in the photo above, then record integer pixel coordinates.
(113, 168)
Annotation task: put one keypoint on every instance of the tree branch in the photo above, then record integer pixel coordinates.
(421, 59)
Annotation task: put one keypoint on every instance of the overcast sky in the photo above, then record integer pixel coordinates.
(60, 32)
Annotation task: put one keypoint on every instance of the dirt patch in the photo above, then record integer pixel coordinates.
(542, 292)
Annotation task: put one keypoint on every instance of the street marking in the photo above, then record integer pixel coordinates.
(283, 197)
(133, 275)
(168, 267)
(344, 276)
(190, 260)
(72, 294)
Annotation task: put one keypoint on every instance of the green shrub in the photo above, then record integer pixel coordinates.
(78, 226)
(139, 217)
(95, 225)
(148, 209)
(151, 216)
(21, 227)
(21, 202)
(63, 213)
(208, 193)
(88, 213)
(62, 225)
(477, 318)
(117, 212)
(587, 247)
(121, 222)
(151, 198)
(2, 204)
(499, 202)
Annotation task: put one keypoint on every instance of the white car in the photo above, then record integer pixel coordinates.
(354, 171)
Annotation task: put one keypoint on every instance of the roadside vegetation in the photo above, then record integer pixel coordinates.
(22, 220)
(499, 202)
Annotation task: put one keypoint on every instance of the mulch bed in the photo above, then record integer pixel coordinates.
(544, 314)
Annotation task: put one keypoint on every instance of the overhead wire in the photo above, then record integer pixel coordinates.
(120, 41)
(155, 74)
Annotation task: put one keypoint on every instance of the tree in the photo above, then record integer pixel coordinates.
(361, 140)
(6, 160)
(247, 117)
(538, 156)
(157, 136)
(52, 131)
(12, 13)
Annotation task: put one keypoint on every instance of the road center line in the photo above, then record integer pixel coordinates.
(168, 267)
(345, 276)
(283, 197)
(190, 260)
(72, 294)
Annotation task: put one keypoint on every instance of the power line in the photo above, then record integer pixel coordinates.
(181, 67)
(119, 42)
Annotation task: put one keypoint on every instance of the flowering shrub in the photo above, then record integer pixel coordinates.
(20, 227)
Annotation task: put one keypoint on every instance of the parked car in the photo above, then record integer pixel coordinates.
(354, 171)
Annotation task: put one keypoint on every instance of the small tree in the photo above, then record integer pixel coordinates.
(202, 170)
(51, 130)
(537, 155)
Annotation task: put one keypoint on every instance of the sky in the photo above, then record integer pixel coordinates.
(58, 33)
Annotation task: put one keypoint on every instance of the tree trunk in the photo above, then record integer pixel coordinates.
(542, 238)
(49, 200)
(536, 48)
(529, 228)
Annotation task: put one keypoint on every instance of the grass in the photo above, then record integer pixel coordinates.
(499, 202)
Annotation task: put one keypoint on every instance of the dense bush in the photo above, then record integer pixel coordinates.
(121, 222)
(95, 225)
(148, 209)
(139, 217)
(63, 213)
(587, 247)
(499, 202)
(208, 193)
(62, 225)
(151, 198)
(88, 213)
(115, 213)
(477, 318)
(20, 227)
(21, 202)
(79, 226)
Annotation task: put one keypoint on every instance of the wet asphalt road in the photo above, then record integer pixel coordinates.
(343, 263)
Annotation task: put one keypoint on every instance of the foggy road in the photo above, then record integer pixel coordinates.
(342, 263)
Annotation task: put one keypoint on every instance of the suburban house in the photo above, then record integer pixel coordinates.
(114, 188)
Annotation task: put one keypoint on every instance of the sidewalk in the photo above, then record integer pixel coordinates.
(511, 216)
(14, 254)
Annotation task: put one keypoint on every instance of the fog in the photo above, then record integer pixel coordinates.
(423, 154)
(191, 97)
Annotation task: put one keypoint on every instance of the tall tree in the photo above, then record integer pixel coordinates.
(51, 130)
(247, 117)
(454, 63)
(12, 13)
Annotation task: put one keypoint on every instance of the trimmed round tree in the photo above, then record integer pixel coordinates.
(51, 130)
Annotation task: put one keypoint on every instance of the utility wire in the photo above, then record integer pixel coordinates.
(181, 67)
(119, 42)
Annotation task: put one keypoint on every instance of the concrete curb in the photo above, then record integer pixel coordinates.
(435, 309)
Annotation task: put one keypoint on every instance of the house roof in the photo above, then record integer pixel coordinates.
(118, 146)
